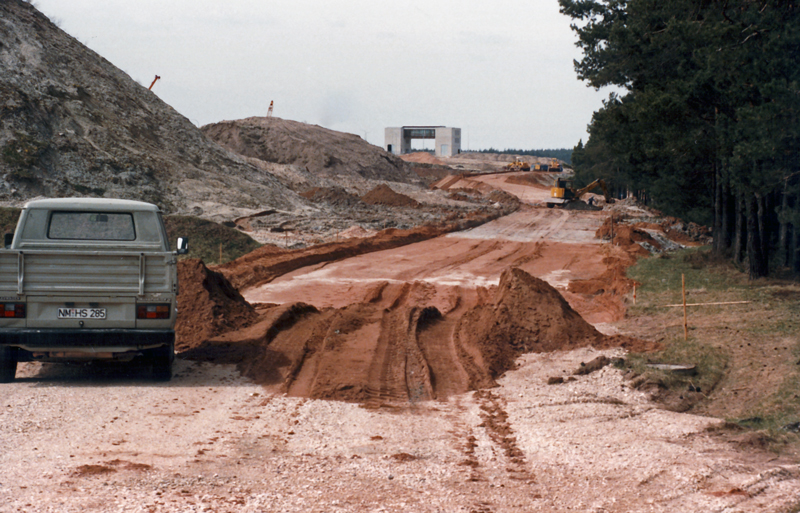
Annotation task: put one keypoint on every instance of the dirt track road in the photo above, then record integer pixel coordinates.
(107, 439)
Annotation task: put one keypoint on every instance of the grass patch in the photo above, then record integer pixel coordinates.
(747, 355)
(207, 239)
(710, 364)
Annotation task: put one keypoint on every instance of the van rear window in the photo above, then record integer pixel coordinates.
(91, 226)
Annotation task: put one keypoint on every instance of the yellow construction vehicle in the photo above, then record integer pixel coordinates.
(563, 193)
(541, 167)
(518, 165)
(555, 166)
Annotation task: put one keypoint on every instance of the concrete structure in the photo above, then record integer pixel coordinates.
(447, 141)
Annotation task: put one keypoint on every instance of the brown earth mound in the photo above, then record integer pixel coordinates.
(331, 195)
(613, 281)
(317, 149)
(384, 195)
(405, 342)
(422, 157)
(208, 305)
(626, 236)
(535, 179)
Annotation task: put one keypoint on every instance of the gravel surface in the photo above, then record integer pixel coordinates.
(105, 438)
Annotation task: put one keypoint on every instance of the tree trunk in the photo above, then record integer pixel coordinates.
(755, 256)
(726, 216)
(763, 230)
(783, 239)
(718, 245)
(739, 228)
(796, 249)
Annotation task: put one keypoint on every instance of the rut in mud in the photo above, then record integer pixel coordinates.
(404, 342)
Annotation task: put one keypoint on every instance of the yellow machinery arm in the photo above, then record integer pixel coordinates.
(599, 182)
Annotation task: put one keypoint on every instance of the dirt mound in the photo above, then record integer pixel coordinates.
(626, 236)
(613, 281)
(581, 205)
(528, 315)
(384, 195)
(422, 157)
(76, 125)
(536, 179)
(317, 149)
(405, 342)
(332, 195)
(207, 304)
(686, 233)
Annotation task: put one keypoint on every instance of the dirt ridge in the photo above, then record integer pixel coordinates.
(405, 342)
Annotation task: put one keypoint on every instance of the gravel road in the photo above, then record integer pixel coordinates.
(105, 438)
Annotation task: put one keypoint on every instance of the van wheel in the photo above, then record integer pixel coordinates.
(8, 364)
(161, 359)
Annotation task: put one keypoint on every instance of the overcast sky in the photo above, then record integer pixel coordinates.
(501, 71)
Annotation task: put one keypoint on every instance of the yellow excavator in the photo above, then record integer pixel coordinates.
(563, 193)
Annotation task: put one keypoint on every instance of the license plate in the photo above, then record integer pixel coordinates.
(81, 313)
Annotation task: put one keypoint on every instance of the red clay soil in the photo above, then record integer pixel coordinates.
(533, 179)
(613, 280)
(384, 195)
(268, 262)
(626, 236)
(207, 304)
(405, 342)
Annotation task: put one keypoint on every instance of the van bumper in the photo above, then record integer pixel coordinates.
(86, 340)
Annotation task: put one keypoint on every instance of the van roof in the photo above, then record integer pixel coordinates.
(91, 204)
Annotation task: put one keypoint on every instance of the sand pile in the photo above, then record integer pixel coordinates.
(405, 342)
(207, 305)
(384, 195)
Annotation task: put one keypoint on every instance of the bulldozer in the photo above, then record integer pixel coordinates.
(518, 165)
(555, 166)
(563, 193)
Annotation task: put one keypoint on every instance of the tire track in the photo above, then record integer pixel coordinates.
(499, 430)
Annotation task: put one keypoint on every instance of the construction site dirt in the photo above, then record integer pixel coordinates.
(431, 369)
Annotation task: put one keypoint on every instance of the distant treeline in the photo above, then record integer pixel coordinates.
(563, 154)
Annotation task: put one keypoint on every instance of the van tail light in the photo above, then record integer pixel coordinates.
(152, 311)
(14, 310)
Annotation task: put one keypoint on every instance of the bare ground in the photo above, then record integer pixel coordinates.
(105, 438)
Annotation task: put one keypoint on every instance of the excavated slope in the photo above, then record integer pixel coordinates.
(72, 124)
(317, 149)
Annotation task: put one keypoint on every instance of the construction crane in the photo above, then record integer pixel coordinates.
(153, 83)
(269, 111)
